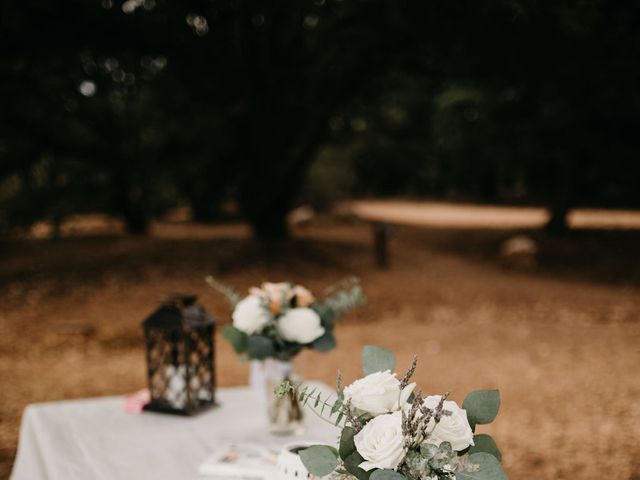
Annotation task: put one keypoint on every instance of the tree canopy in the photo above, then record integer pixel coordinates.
(131, 107)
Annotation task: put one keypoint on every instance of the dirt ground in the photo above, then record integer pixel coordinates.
(561, 342)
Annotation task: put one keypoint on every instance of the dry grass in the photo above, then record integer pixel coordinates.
(561, 343)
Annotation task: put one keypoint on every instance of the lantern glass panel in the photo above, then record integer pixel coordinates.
(180, 357)
(200, 364)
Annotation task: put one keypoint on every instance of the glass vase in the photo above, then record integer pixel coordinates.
(284, 414)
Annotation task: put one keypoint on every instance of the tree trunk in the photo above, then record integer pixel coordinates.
(136, 220)
(558, 223)
(269, 226)
(204, 209)
(562, 184)
(129, 203)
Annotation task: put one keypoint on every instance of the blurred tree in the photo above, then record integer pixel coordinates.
(132, 106)
(548, 100)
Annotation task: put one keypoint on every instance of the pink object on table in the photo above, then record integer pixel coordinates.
(135, 402)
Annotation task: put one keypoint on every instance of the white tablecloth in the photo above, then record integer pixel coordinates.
(95, 439)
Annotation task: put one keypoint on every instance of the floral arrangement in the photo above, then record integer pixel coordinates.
(278, 320)
(391, 432)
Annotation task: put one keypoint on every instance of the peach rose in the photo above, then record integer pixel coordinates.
(282, 293)
(304, 297)
(275, 293)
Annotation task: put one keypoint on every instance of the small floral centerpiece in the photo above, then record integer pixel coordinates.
(279, 320)
(389, 431)
(273, 324)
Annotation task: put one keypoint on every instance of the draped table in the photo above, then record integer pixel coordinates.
(95, 439)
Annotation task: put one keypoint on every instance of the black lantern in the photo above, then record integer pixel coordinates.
(180, 356)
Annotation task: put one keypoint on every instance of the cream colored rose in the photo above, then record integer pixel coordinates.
(282, 293)
(251, 315)
(381, 442)
(304, 297)
(275, 294)
(300, 325)
(453, 428)
(378, 393)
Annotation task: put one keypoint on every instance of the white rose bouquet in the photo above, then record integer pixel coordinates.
(391, 432)
(278, 320)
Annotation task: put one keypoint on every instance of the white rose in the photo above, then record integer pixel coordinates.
(381, 442)
(378, 393)
(251, 315)
(453, 428)
(300, 325)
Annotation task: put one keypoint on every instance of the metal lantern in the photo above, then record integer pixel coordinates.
(180, 356)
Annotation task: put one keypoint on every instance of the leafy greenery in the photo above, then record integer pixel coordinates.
(325, 343)
(423, 460)
(268, 343)
(484, 443)
(238, 339)
(347, 445)
(228, 293)
(386, 475)
(482, 406)
(198, 103)
(352, 465)
(260, 347)
(484, 466)
(343, 297)
(319, 460)
(377, 359)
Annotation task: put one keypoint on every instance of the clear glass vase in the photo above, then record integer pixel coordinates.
(284, 414)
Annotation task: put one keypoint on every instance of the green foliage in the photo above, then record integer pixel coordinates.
(230, 294)
(386, 475)
(325, 343)
(482, 406)
(427, 98)
(283, 389)
(238, 339)
(323, 406)
(484, 466)
(351, 465)
(377, 359)
(319, 460)
(268, 343)
(430, 461)
(349, 455)
(422, 461)
(439, 456)
(260, 347)
(345, 296)
(347, 445)
(484, 443)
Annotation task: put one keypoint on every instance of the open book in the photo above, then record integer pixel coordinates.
(244, 461)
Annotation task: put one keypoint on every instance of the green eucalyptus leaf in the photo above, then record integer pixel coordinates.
(303, 394)
(352, 465)
(482, 406)
(238, 339)
(428, 450)
(484, 443)
(325, 343)
(326, 315)
(347, 445)
(445, 448)
(489, 468)
(387, 475)
(260, 347)
(337, 405)
(319, 460)
(377, 359)
(463, 452)
(309, 396)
